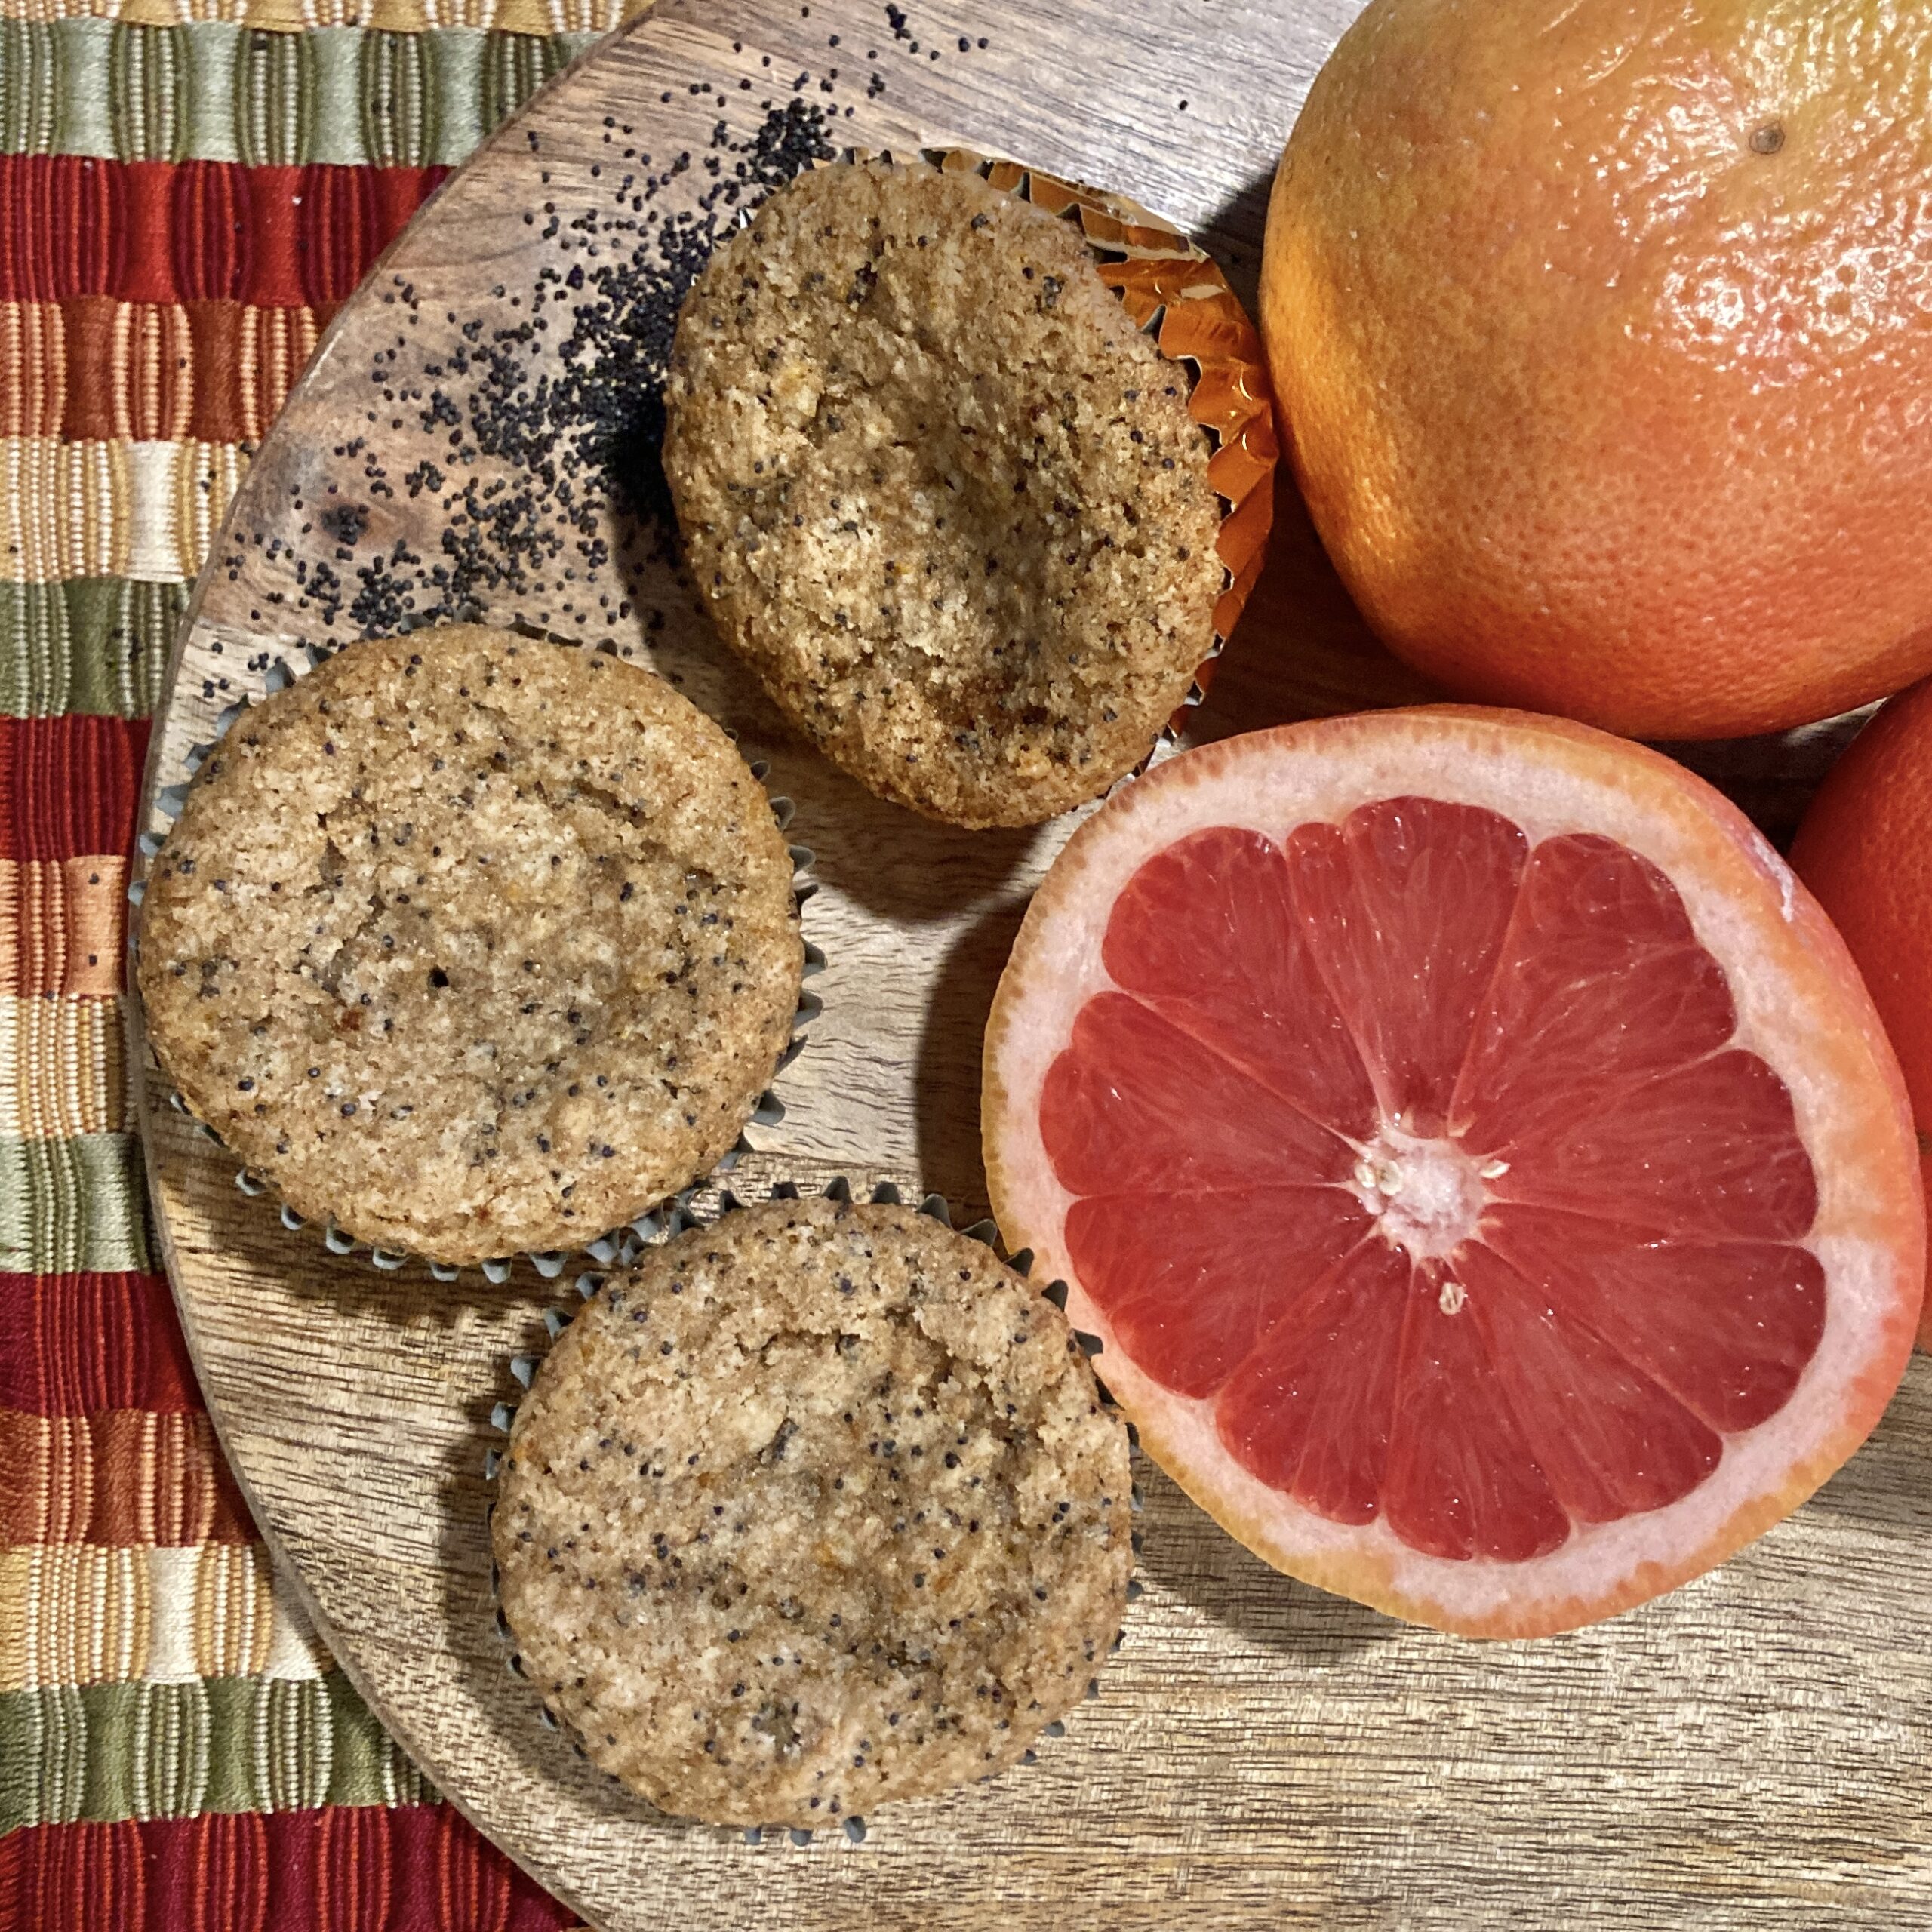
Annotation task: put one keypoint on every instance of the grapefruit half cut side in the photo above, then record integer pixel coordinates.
(1477, 1154)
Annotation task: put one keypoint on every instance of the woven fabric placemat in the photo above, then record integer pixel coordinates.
(184, 202)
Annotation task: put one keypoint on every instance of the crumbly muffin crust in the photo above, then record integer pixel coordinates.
(816, 1507)
(940, 493)
(478, 943)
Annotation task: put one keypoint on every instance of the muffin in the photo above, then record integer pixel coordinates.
(956, 505)
(475, 944)
(816, 1507)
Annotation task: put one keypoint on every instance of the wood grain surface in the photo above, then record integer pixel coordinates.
(1751, 1750)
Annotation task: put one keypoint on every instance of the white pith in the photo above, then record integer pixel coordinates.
(1739, 897)
(1426, 1196)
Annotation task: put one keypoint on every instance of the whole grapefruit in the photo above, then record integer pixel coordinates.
(1865, 849)
(1602, 333)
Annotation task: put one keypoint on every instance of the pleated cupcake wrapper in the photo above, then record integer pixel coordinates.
(673, 1219)
(1174, 291)
(769, 1110)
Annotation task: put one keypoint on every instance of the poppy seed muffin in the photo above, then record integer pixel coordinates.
(816, 1507)
(475, 944)
(940, 493)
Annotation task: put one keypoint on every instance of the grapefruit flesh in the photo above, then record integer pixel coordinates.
(1478, 1156)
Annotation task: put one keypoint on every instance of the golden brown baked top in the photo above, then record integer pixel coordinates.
(940, 492)
(816, 1507)
(477, 944)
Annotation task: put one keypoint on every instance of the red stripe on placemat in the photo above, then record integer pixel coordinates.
(76, 1344)
(147, 271)
(332, 1868)
(274, 275)
(63, 226)
(69, 786)
(101, 1427)
(209, 230)
(75, 1879)
(355, 1869)
(314, 231)
(164, 231)
(209, 1874)
(215, 259)
(400, 191)
(473, 1879)
(249, 1871)
(338, 235)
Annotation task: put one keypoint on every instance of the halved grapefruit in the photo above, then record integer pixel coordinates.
(1478, 1156)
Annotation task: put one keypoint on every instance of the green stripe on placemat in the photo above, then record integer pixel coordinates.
(147, 93)
(398, 91)
(115, 1750)
(72, 1206)
(211, 91)
(96, 644)
(27, 117)
(82, 123)
(515, 66)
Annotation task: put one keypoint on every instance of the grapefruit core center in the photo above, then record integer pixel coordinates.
(1425, 1195)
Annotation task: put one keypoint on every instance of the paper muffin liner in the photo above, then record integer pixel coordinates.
(653, 1229)
(1176, 293)
(768, 1110)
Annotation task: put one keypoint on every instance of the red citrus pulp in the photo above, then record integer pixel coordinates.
(1476, 1153)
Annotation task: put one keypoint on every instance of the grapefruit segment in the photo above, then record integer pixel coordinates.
(1711, 1148)
(1177, 1285)
(1137, 1105)
(1610, 1439)
(1601, 984)
(1726, 1328)
(1371, 893)
(1479, 1160)
(1463, 1482)
(1239, 976)
(1308, 1410)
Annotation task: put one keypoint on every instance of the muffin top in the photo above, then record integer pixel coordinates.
(939, 491)
(475, 944)
(816, 1507)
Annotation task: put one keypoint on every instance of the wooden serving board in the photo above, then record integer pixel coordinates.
(1259, 1754)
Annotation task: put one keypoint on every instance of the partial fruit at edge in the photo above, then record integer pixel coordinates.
(1865, 849)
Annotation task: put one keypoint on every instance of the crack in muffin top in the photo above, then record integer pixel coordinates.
(476, 943)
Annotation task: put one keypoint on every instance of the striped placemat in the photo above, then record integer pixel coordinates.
(188, 192)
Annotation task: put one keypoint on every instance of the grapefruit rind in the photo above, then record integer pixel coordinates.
(1801, 1006)
(1863, 846)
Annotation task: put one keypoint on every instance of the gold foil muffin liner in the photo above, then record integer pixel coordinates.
(769, 1110)
(671, 1219)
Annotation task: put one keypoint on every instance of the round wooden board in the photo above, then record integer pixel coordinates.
(1259, 1754)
